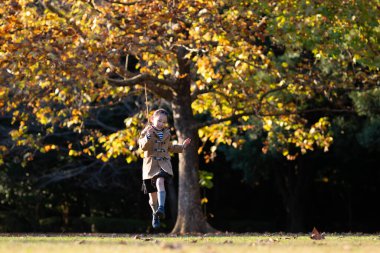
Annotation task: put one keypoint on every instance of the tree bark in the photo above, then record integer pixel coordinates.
(295, 215)
(190, 218)
(294, 188)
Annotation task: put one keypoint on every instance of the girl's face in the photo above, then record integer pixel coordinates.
(159, 121)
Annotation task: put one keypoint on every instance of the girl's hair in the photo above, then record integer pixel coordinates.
(160, 111)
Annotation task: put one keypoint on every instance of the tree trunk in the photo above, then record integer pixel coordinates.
(295, 215)
(293, 186)
(190, 218)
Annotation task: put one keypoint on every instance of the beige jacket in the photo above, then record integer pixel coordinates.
(156, 153)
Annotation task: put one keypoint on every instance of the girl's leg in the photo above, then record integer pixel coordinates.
(153, 201)
(154, 205)
(160, 184)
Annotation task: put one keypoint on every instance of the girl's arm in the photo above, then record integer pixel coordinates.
(145, 142)
(178, 148)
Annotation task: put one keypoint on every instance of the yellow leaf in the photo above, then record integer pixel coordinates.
(245, 118)
(44, 84)
(129, 159)
(47, 148)
(268, 125)
(104, 158)
(201, 133)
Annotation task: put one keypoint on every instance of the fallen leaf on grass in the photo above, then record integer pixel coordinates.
(143, 239)
(268, 241)
(315, 235)
(171, 246)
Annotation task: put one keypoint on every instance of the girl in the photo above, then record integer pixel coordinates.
(155, 142)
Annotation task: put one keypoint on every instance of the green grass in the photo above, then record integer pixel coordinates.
(191, 244)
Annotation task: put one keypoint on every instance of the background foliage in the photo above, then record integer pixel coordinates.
(285, 94)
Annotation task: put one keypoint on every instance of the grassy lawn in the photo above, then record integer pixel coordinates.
(116, 243)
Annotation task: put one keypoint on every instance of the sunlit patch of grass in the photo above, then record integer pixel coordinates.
(115, 243)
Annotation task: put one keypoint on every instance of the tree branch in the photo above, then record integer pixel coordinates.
(269, 92)
(198, 92)
(94, 6)
(166, 92)
(97, 122)
(217, 121)
(122, 3)
(62, 174)
(138, 79)
(254, 113)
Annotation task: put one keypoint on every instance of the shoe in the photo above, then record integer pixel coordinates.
(160, 212)
(156, 221)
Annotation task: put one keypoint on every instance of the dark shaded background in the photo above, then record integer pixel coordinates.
(335, 191)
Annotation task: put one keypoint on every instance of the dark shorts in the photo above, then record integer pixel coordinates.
(149, 185)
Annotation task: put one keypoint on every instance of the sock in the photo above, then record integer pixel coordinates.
(161, 198)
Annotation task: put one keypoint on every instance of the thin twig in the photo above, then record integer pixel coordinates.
(123, 3)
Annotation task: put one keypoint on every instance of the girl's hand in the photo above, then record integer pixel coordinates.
(186, 142)
(150, 130)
